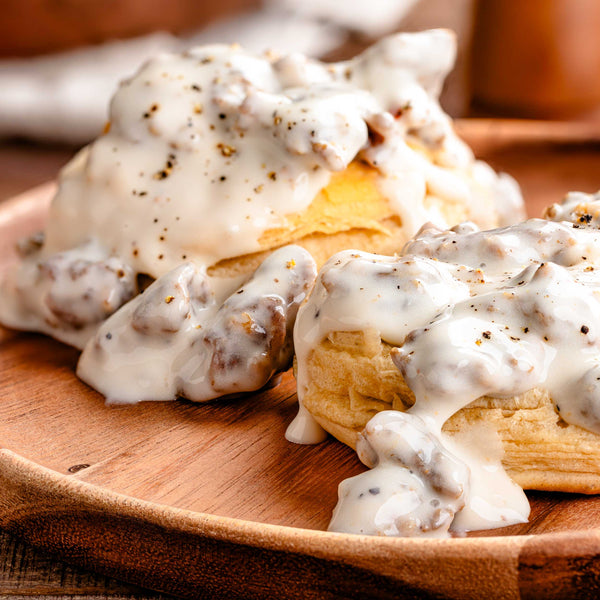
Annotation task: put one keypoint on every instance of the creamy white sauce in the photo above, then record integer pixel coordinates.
(179, 338)
(209, 149)
(472, 313)
(577, 207)
(415, 485)
(247, 140)
(69, 292)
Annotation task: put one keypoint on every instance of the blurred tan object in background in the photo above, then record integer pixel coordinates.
(30, 27)
(536, 58)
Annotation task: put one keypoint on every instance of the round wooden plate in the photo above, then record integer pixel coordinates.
(211, 501)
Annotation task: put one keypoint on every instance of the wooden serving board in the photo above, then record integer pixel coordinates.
(212, 501)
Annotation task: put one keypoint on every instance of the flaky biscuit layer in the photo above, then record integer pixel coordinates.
(350, 377)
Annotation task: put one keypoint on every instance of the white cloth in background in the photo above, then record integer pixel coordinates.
(373, 18)
(64, 97)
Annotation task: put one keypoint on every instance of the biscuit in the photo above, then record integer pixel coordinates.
(469, 329)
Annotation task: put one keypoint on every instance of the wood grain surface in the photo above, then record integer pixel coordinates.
(200, 500)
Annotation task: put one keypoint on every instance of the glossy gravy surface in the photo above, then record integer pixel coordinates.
(207, 150)
(471, 313)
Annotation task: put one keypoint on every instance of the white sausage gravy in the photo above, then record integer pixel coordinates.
(471, 313)
(178, 338)
(207, 150)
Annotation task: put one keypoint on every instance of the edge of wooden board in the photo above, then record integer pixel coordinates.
(183, 552)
